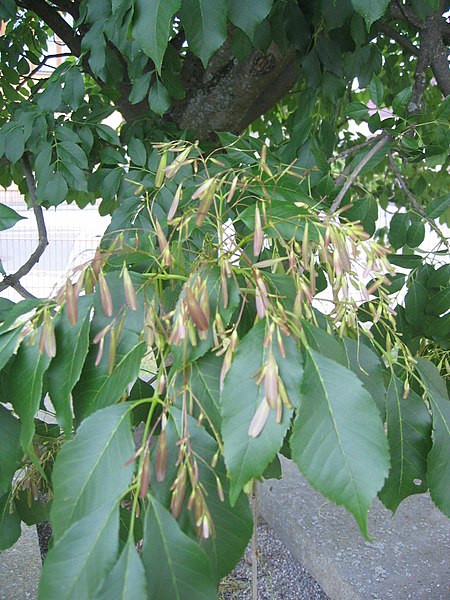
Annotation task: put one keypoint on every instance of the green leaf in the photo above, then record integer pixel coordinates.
(183, 570)
(438, 474)
(152, 25)
(248, 14)
(72, 342)
(9, 524)
(56, 189)
(398, 229)
(407, 261)
(367, 366)
(15, 144)
(246, 457)
(409, 437)
(158, 98)
(204, 383)
(338, 440)
(205, 25)
(137, 152)
(370, 10)
(376, 90)
(11, 452)
(415, 234)
(16, 311)
(8, 343)
(71, 154)
(357, 111)
(31, 511)
(50, 99)
(126, 580)
(25, 386)
(438, 206)
(79, 560)
(415, 303)
(95, 462)
(73, 92)
(7, 9)
(8, 217)
(139, 89)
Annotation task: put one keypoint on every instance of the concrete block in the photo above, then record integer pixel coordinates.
(409, 557)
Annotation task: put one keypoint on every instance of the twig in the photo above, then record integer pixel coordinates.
(382, 141)
(401, 40)
(13, 279)
(413, 200)
(255, 543)
(22, 291)
(355, 148)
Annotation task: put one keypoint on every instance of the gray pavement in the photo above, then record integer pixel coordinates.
(409, 557)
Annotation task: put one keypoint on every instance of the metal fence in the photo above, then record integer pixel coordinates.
(73, 236)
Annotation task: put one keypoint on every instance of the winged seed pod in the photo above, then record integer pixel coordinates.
(105, 295)
(259, 419)
(271, 381)
(196, 313)
(206, 197)
(128, 288)
(258, 233)
(163, 245)
(145, 476)
(159, 177)
(261, 297)
(47, 342)
(178, 493)
(176, 165)
(232, 189)
(175, 202)
(71, 303)
(161, 457)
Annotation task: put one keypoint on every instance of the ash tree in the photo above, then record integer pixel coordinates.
(274, 278)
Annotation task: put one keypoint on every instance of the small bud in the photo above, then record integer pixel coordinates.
(130, 293)
(257, 233)
(159, 177)
(195, 311)
(271, 381)
(105, 295)
(259, 420)
(145, 476)
(161, 457)
(71, 303)
(175, 202)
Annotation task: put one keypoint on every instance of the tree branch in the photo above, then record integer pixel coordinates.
(55, 21)
(356, 148)
(413, 200)
(382, 141)
(401, 40)
(14, 279)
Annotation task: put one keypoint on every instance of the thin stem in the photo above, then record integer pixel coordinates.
(255, 542)
(13, 279)
(413, 200)
(385, 138)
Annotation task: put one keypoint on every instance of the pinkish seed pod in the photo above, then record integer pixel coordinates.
(271, 381)
(159, 177)
(175, 202)
(261, 297)
(100, 351)
(258, 233)
(130, 293)
(161, 457)
(47, 342)
(105, 295)
(178, 493)
(145, 477)
(259, 420)
(196, 313)
(205, 204)
(71, 303)
(232, 189)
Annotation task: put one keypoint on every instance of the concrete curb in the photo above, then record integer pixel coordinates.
(408, 558)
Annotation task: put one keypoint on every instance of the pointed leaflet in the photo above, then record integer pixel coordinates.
(89, 470)
(99, 386)
(9, 524)
(438, 474)
(8, 217)
(126, 580)
(8, 343)
(370, 10)
(72, 343)
(367, 366)
(151, 29)
(232, 525)
(248, 14)
(25, 386)
(338, 440)
(205, 24)
(80, 559)
(409, 437)
(10, 451)
(176, 567)
(247, 457)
